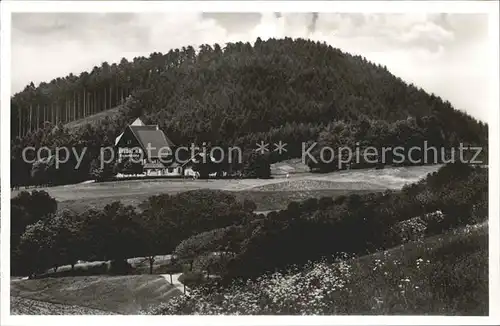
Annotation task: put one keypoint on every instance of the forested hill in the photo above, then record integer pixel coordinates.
(290, 90)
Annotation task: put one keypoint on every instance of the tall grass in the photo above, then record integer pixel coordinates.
(441, 275)
(445, 274)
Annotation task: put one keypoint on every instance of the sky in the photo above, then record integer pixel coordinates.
(446, 54)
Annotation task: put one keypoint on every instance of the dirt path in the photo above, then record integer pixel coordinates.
(174, 280)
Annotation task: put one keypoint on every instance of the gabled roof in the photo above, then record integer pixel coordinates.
(137, 122)
(152, 137)
(118, 139)
(148, 136)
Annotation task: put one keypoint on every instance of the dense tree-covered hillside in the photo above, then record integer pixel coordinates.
(290, 90)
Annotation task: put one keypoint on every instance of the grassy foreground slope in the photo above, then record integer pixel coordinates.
(440, 275)
(445, 274)
(115, 294)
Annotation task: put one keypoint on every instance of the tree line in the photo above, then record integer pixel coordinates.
(356, 225)
(44, 237)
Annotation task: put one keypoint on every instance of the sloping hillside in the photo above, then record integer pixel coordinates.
(115, 294)
(445, 274)
(218, 93)
(94, 119)
(440, 275)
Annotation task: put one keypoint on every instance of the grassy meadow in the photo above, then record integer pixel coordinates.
(268, 194)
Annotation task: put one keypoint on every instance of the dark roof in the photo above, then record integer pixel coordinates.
(152, 136)
(150, 127)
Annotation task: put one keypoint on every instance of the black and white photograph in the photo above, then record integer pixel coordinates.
(263, 162)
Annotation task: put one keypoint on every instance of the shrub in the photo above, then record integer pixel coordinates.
(186, 214)
(120, 267)
(212, 263)
(201, 243)
(325, 202)
(435, 223)
(479, 212)
(257, 166)
(192, 279)
(409, 230)
(172, 269)
(28, 208)
(310, 204)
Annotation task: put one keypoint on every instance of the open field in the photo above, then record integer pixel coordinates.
(94, 119)
(110, 294)
(265, 200)
(268, 194)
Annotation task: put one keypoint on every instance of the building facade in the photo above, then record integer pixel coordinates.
(149, 147)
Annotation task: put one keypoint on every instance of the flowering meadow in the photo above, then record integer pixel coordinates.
(420, 277)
